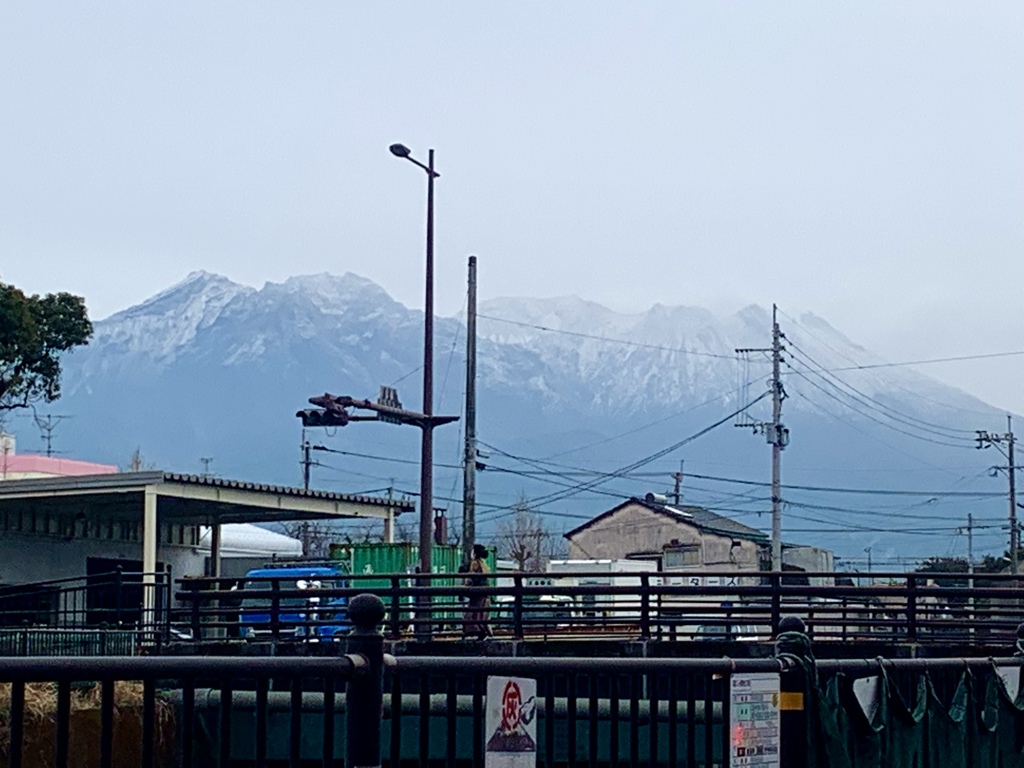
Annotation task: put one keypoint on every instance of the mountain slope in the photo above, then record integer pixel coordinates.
(212, 368)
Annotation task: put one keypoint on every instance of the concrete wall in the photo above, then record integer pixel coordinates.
(29, 558)
(635, 529)
(811, 559)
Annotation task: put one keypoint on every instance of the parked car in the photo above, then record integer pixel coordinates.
(309, 617)
(729, 633)
(539, 613)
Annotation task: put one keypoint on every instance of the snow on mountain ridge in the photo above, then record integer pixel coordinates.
(571, 351)
(171, 319)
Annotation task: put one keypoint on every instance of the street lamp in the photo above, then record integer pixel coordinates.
(427, 446)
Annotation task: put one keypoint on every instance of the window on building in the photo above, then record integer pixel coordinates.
(686, 556)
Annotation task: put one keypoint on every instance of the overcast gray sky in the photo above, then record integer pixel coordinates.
(861, 160)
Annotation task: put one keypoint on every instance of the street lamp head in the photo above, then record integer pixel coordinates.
(400, 150)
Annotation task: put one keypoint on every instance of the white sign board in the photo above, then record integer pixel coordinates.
(510, 724)
(754, 720)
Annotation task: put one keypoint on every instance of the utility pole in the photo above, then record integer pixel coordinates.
(970, 552)
(775, 433)
(469, 457)
(307, 462)
(206, 461)
(1011, 471)
(677, 491)
(986, 440)
(870, 577)
(970, 571)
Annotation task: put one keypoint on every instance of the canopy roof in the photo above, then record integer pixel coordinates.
(190, 499)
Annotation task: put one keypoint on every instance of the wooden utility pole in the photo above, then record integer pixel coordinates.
(469, 457)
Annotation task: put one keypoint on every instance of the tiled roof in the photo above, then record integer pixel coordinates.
(698, 517)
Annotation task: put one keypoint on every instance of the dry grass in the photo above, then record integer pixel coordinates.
(41, 716)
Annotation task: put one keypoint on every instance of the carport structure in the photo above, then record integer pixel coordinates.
(162, 508)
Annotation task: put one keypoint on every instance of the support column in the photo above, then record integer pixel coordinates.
(215, 550)
(150, 535)
(389, 527)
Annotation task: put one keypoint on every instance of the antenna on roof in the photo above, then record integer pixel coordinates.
(206, 462)
(46, 427)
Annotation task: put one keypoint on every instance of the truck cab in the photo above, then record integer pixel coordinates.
(312, 616)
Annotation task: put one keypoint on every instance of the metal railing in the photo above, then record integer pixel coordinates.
(98, 613)
(161, 707)
(910, 608)
(588, 711)
(428, 711)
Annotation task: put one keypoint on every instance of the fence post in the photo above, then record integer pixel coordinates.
(275, 609)
(364, 697)
(517, 607)
(793, 649)
(645, 606)
(1018, 652)
(118, 583)
(197, 626)
(911, 609)
(168, 598)
(775, 579)
(396, 609)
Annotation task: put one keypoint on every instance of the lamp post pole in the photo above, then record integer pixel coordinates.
(427, 445)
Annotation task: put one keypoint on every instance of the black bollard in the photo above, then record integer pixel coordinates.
(793, 647)
(364, 698)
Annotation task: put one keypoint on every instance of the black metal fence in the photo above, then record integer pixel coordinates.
(914, 608)
(105, 613)
(431, 711)
(589, 712)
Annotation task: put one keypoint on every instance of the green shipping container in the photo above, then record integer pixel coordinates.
(387, 559)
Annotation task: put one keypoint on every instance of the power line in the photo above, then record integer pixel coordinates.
(951, 433)
(866, 491)
(606, 339)
(870, 416)
(865, 367)
(559, 495)
(889, 381)
(956, 359)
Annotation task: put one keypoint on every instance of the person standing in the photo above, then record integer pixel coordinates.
(477, 613)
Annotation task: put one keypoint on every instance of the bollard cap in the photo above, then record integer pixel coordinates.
(792, 624)
(365, 612)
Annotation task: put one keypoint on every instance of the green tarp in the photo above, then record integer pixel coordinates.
(941, 719)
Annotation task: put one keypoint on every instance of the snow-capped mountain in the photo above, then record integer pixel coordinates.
(212, 368)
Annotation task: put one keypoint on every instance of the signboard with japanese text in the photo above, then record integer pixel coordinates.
(754, 723)
(510, 724)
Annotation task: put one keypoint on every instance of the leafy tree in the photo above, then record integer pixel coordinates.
(34, 331)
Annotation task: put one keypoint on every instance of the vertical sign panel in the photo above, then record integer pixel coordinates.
(511, 725)
(754, 720)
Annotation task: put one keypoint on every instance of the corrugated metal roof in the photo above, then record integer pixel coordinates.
(287, 490)
(123, 481)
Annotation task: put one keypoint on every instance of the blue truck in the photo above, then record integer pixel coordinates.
(311, 616)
